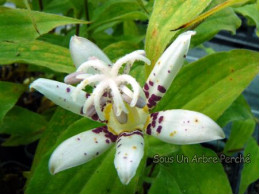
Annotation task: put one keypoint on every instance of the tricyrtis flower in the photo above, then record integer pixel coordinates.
(118, 101)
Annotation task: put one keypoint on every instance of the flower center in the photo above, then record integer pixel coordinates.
(137, 118)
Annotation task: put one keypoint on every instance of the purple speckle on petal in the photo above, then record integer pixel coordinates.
(68, 89)
(153, 123)
(151, 83)
(148, 129)
(160, 119)
(146, 94)
(169, 71)
(146, 87)
(57, 86)
(161, 89)
(119, 145)
(159, 129)
(107, 141)
(85, 153)
(155, 98)
(78, 139)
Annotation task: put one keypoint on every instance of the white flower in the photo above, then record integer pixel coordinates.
(124, 110)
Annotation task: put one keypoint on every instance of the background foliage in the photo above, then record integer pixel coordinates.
(34, 38)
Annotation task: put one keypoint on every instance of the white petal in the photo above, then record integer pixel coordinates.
(183, 127)
(166, 68)
(60, 94)
(82, 50)
(80, 149)
(129, 152)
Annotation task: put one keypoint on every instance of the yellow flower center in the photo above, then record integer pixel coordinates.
(138, 119)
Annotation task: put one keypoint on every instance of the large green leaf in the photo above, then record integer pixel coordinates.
(185, 172)
(251, 11)
(96, 176)
(211, 84)
(168, 15)
(239, 110)
(223, 20)
(39, 53)
(250, 172)
(116, 10)
(23, 125)
(21, 24)
(240, 133)
(10, 93)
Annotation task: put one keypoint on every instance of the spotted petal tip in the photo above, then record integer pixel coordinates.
(129, 152)
(166, 68)
(80, 149)
(183, 127)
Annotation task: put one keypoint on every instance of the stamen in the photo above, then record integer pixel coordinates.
(118, 101)
(98, 93)
(86, 82)
(131, 58)
(122, 118)
(96, 64)
(72, 78)
(128, 97)
(135, 86)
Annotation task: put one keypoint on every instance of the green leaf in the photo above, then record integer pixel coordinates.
(81, 179)
(116, 10)
(250, 172)
(17, 25)
(187, 173)
(222, 20)
(202, 87)
(251, 11)
(10, 93)
(23, 125)
(240, 133)
(168, 15)
(239, 110)
(39, 53)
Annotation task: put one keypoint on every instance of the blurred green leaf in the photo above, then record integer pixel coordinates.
(116, 10)
(241, 131)
(250, 11)
(239, 110)
(23, 125)
(119, 49)
(200, 86)
(222, 20)
(191, 176)
(168, 15)
(16, 24)
(10, 93)
(250, 172)
(38, 53)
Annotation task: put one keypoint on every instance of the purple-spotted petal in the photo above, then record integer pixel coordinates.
(129, 152)
(82, 50)
(80, 149)
(60, 94)
(166, 68)
(183, 127)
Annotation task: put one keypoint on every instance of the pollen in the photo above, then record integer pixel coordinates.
(173, 133)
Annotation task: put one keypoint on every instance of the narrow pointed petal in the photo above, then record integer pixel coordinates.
(82, 50)
(166, 68)
(183, 127)
(129, 152)
(80, 149)
(60, 94)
